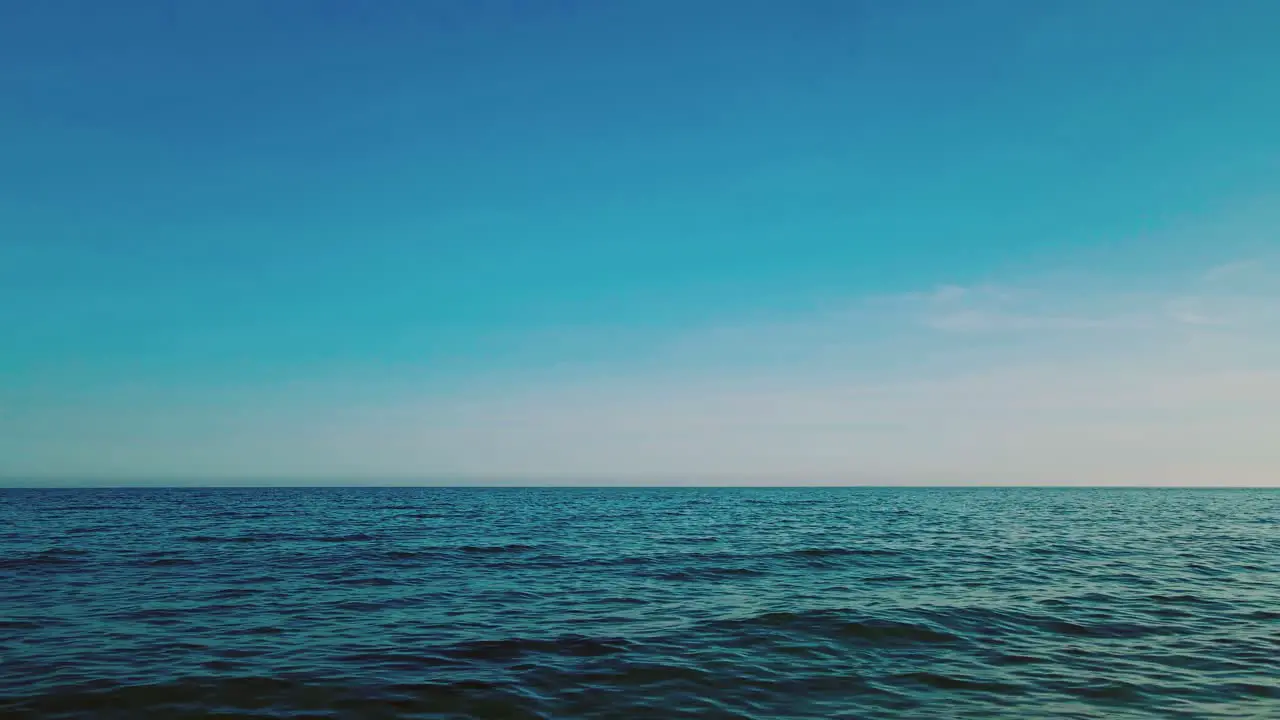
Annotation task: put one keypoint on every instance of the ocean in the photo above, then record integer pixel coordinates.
(639, 603)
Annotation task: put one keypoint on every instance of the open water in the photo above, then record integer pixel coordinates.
(640, 603)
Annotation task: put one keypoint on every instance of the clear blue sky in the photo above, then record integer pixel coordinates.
(562, 239)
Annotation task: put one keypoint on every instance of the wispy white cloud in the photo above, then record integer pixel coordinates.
(1232, 294)
(1231, 270)
(1243, 294)
(1193, 310)
(1135, 422)
(986, 309)
(954, 384)
(973, 320)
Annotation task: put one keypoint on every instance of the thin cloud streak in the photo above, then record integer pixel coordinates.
(1231, 270)
(1021, 389)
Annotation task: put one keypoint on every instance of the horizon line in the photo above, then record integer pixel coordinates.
(259, 484)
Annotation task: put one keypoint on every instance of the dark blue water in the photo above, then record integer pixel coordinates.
(626, 603)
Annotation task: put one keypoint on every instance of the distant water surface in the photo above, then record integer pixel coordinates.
(640, 603)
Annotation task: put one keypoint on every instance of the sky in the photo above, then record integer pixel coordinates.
(640, 241)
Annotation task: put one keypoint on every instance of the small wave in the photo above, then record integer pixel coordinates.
(357, 537)
(1182, 599)
(445, 552)
(88, 530)
(830, 623)
(249, 696)
(397, 660)
(1112, 692)
(572, 646)
(1104, 630)
(993, 623)
(788, 502)
(65, 552)
(524, 595)
(151, 614)
(279, 537)
(666, 560)
(840, 552)
(1263, 615)
(637, 674)
(707, 574)
(1208, 569)
(1015, 659)
(413, 554)
(1254, 689)
(950, 682)
(628, 560)
(254, 538)
(453, 554)
(46, 558)
(168, 562)
(255, 580)
(369, 582)
(493, 549)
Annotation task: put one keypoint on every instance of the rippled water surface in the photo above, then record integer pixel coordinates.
(640, 603)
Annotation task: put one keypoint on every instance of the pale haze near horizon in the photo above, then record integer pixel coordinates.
(829, 243)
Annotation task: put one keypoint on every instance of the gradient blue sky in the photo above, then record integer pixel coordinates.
(644, 240)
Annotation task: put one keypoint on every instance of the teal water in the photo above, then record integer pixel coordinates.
(640, 603)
